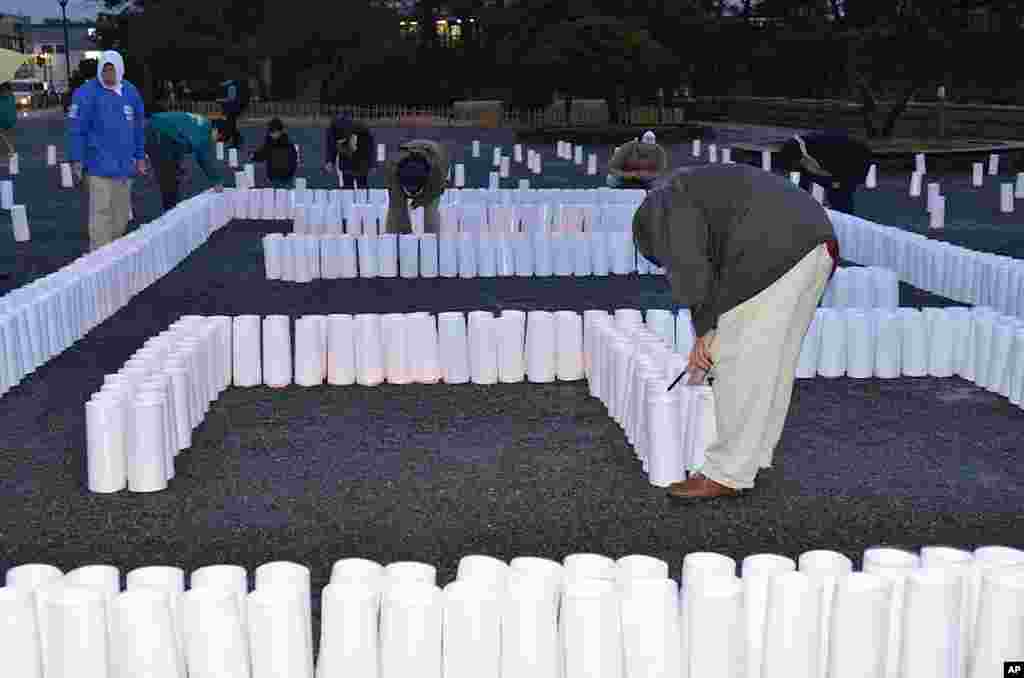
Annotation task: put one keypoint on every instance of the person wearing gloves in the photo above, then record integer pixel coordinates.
(835, 161)
(172, 136)
(348, 149)
(106, 142)
(280, 155)
(637, 163)
(418, 175)
(749, 254)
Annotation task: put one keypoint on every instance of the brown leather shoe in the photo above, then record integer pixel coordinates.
(700, 487)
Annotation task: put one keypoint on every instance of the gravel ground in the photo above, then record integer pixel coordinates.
(433, 473)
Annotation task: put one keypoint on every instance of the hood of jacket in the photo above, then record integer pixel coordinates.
(115, 59)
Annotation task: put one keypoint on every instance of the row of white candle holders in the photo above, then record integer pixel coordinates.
(144, 415)
(368, 219)
(40, 320)
(942, 612)
(304, 258)
(87, 286)
(631, 363)
(951, 271)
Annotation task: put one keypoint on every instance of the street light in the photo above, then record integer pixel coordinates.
(67, 43)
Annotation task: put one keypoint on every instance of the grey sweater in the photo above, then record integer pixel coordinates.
(725, 233)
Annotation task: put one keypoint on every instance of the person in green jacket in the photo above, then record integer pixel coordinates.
(8, 114)
(172, 136)
(418, 175)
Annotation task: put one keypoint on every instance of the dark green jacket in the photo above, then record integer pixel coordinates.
(173, 135)
(725, 233)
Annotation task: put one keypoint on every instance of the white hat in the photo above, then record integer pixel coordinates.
(648, 137)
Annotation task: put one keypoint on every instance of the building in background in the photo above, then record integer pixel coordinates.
(46, 41)
(13, 30)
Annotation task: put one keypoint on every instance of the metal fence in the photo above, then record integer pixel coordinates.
(404, 115)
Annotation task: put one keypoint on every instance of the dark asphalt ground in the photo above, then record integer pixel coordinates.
(433, 473)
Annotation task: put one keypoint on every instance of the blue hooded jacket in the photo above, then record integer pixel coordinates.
(106, 126)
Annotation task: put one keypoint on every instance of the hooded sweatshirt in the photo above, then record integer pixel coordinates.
(280, 155)
(358, 158)
(725, 233)
(177, 134)
(106, 125)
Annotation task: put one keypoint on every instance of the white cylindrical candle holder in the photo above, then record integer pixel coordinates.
(7, 193)
(233, 157)
(65, 176)
(915, 184)
(1006, 198)
(695, 148)
(517, 152)
(51, 155)
(592, 164)
(937, 213)
(504, 171)
(993, 164)
(13, 166)
(977, 175)
(818, 192)
(245, 340)
(919, 163)
(19, 222)
(1018, 192)
(578, 155)
(872, 178)
(382, 152)
(476, 149)
(794, 178)
(220, 150)
(277, 354)
(726, 156)
(933, 193)
(147, 468)
(460, 175)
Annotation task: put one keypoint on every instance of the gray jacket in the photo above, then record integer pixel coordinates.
(725, 233)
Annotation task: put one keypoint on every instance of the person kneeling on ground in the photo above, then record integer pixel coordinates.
(348, 149)
(750, 254)
(418, 175)
(172, 136)
(835, 161)
(637, 163)
(280, 155)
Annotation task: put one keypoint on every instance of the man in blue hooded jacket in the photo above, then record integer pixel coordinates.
(106, 142)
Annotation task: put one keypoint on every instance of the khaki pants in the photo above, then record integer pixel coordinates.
(755, 350)
(109, 206)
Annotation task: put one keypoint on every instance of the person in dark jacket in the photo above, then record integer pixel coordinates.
(835, 161)
(749, 254)
(232, 105)
(280, 155)
(417, 177)
(169, 138)
(348, 150)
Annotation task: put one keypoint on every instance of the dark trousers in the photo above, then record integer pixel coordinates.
(168, 176)
(234, 137)
(351, 180)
